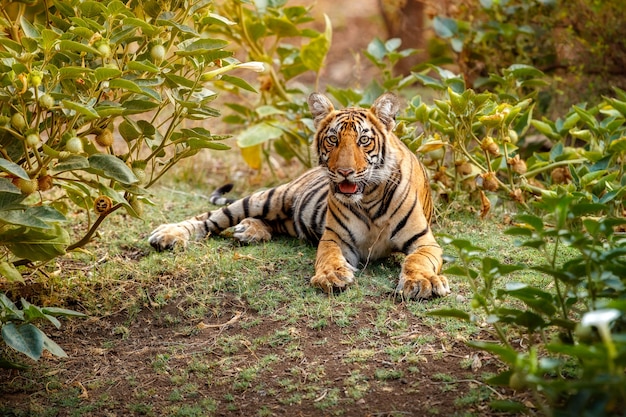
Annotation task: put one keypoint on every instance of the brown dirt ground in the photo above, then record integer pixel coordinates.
(125, 367)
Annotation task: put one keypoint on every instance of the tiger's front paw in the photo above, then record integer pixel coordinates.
(252, 231)
(423, 287)
(167, 236)
(330, 278)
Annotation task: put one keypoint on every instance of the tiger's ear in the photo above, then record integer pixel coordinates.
(385, 108)
(320, 107)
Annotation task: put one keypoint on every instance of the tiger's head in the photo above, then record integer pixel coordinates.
(352, 143)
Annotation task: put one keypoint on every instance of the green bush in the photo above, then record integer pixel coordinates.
(579, 44)
(98, 100)
(574, 329)
(94, 98)
(278, 118)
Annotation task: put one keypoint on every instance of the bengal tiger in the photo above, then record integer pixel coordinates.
(368, 197)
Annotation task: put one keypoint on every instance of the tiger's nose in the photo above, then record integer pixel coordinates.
(345, 172)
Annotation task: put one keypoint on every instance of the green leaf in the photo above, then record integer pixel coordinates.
(10, 44)
(112, 167)
(73, 46)
(10, 272)
(28, 28)
(451, 312)
(143, 66)
(52, 347)
(236, 81)
(200, 46)
(282, 27)
(72, 163)
(445, 27)
(13, 168)
(508, 355)
(86, 111)
(545, 128)
(145, 27)
(257, 134)
(36, 244)
(104, 73)
(522, 70)
(618, 145)
(125, 85)
(195, 143)
(26, 339)
(129, 131)
(56, 311)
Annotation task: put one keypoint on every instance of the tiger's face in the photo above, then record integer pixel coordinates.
(352, 146)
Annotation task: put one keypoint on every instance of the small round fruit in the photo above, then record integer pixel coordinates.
(74, 145)
(157, 52)
(137, 205)
(33, 140)
(517, 381)
(18, 121)
(45, 182)
(102, 204)
(105, 138)
(34, 78)
(104, 49)
(140, 174)
(46, 101)
(26, 186)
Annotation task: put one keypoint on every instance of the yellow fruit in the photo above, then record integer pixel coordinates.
(18, 121)
(26, 186)
(102, 204)
(105, 138)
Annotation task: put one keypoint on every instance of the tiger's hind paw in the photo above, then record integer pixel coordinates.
(423, 287)
(332, 279)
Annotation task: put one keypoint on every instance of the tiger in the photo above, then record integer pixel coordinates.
(368, 197)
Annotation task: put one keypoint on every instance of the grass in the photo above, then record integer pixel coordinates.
(225, 328)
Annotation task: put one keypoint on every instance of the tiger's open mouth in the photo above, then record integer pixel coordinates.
(348, 187)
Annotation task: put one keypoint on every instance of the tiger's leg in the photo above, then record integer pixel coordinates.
(167, 236)
(420, 276)
(332, 270)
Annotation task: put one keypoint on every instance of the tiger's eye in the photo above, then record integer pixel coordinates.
(364, 140)
(332, 140)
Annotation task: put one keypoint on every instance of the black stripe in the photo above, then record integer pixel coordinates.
(246, 207)
(408, 243)
(346, 245)
(268, 203)
(385, 202)
(402, 222)
(226, 211)
(342, 224)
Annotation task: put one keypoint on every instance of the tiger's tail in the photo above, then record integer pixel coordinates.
(217, 196)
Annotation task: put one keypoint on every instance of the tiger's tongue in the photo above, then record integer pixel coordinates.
(347, 187)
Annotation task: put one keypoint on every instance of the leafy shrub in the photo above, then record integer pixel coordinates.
(561, 38)
(94, 98)
(19, 332)
(476, 143)
(277, 118)
(98, 100)
(574, 353)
